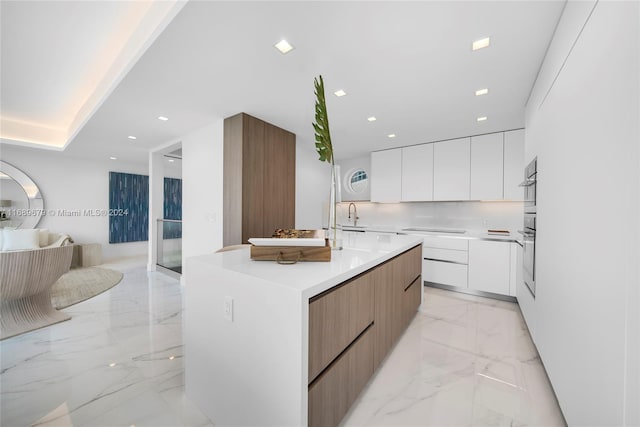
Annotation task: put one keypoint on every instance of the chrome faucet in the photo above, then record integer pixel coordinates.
(355, 213)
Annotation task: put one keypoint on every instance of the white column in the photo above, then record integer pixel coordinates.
(156, 204)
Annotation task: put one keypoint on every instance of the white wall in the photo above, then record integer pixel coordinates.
(313, 182)
(347, 167)
(583, 125)
(202, 174)
(71, 184)
(202, 200)
(465, 215)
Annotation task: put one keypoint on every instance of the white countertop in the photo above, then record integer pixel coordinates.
(248, 324)
(468, 234)
(361, 252)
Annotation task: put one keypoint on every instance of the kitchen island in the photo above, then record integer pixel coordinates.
(271, 344)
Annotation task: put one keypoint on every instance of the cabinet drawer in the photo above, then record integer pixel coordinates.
(461, 257)
(331, 396)
(336, 319)
(411, 301)
(445, 243)
(411, 265)
(445, 273)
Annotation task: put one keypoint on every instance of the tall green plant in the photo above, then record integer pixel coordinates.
(321, 126)
(325, 151)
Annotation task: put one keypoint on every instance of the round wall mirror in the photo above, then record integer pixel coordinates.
(21, 203)
(357, 181)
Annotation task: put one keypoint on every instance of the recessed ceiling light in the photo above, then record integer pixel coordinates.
(163, 118)
(482, 43)
(171, 160)
(132, 137)
(171, 357)
(372, 119)
(283, 46)
(113, 158)
(481, 119)
(339, 93)
(482, 92)
(111, 365)
(392, 135)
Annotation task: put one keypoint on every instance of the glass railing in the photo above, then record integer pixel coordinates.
(170, 244)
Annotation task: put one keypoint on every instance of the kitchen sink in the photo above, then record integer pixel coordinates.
(436, 230)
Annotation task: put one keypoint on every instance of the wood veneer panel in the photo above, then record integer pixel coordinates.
(411, 301)
(290, 159)
(335, 391)
(390, 281)
(253, 150)
(411, 266)
(336, 319)
(279, 179)
(341, 378)
(387, 307)
(232, 182)
(259, 179)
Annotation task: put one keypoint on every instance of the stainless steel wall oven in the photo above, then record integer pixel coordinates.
(529, 232)
(529, 252)
(529, 184)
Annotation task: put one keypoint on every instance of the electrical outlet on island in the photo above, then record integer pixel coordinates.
(228, 308)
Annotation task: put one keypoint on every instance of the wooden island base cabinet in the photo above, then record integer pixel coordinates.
(294, 345)
(353, 327)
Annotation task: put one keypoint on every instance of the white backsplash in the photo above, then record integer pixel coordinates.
(465, 215)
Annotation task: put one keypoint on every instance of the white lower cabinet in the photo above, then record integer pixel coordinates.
(489, 266)
(514, 266)
(445, 273)
(526, 301)
(451, 255)
(482, 265)
(445, 260)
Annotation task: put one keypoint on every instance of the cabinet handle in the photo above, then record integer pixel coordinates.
(527, 182)
(447, 261)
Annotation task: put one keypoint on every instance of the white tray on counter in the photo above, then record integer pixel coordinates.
(274, 241)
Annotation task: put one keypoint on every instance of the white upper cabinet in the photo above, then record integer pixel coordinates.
(386, 175)
(513, 164)
(417, 173)
(451, 169)
(487, 166)
(484, 167)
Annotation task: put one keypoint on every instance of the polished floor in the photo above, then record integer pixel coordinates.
(464, 361)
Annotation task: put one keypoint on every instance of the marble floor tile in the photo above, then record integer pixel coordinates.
(464, 360)
(118, 361)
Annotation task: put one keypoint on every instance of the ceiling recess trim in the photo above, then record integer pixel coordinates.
(128, 43)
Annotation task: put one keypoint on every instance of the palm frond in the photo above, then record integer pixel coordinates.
(321, 125)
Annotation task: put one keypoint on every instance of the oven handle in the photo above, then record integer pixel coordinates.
(527, 233)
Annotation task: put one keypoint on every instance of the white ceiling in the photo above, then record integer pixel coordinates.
(61, 59)
(410, 64)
